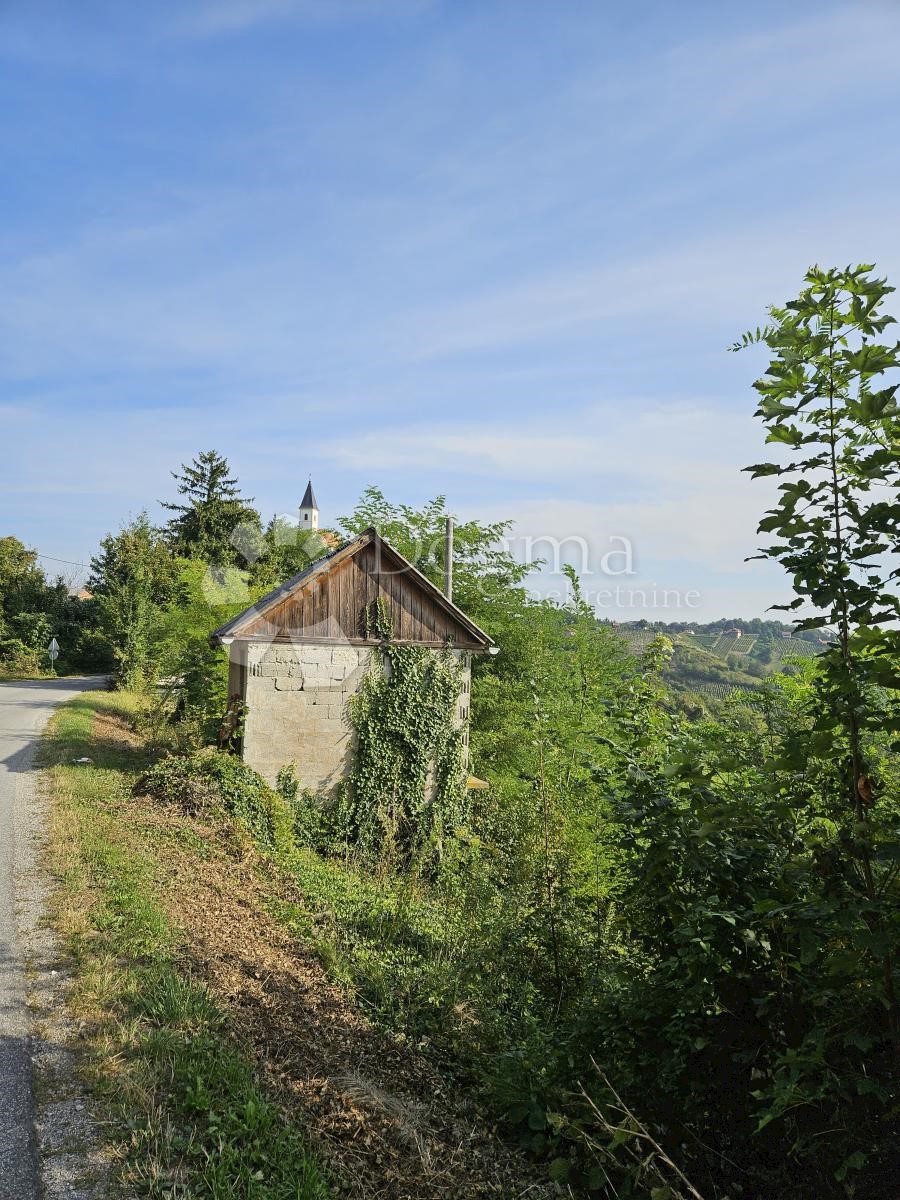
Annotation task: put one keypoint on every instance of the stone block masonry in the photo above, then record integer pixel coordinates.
(298, 708)
(297, 698)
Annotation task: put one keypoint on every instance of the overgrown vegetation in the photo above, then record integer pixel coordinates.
(405, 794)
(222, 785)
(186, 1113)
(664, 943)
(707, 910)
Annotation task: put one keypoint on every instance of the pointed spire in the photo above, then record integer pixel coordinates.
(309, 509)
(309, 497)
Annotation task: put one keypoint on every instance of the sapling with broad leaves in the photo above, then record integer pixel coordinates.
(829, 397)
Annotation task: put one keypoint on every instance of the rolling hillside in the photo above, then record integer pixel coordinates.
(710, 663)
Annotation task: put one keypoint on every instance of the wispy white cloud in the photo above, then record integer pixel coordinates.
(451, 226)
(687, 556)
(237, 276)
(667, 478)
(645, 441)
(158, 295)
(729, 274)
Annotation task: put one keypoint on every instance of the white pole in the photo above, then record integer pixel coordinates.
(448, 558)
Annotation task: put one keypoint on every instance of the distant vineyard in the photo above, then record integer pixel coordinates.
(706, 641)
(720, 645)
(726, 643)
(639, 639)
(796, 648)
(719, 691)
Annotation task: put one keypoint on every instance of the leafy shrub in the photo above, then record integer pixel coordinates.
(182, 782)
(33, 630)
(86, 651)
(312, 824)
(167, 732)
(219, 783)
(18, 658)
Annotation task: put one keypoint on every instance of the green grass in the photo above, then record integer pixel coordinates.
(188, 1115)
(387, 937)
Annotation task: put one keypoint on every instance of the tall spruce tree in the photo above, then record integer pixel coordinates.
(212, 508)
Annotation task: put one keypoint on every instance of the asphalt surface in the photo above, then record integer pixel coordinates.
(24, 710)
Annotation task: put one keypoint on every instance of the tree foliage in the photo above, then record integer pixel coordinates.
(211, 510)
(283, 550)
(827, 396)
(483, 569)
(33, 610)
(133, 579)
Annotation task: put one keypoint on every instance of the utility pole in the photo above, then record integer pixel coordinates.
(448, 558)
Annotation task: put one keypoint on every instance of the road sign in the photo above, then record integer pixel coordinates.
(53, 650)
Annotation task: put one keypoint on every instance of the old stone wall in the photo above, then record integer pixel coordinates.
(297, 700)
(297, 697)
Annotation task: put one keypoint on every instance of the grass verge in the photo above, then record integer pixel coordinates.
(185, 1112)
(397, 947)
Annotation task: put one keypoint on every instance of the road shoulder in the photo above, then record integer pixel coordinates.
(70, 1161)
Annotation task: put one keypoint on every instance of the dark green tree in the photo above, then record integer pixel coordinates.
(211, 510)
(133, 578)
(22, 582)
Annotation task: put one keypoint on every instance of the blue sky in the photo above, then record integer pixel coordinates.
(494, 250)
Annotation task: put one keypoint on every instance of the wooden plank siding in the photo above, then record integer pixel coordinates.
(332, 605)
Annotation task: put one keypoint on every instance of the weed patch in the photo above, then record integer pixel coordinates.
(188, 1115)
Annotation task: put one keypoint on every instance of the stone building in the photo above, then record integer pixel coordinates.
(299, 654)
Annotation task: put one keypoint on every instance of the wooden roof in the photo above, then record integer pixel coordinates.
(334, 600)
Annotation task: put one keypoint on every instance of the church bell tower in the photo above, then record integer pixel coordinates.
(309, 509)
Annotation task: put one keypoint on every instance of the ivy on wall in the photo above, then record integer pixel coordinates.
(406, 789)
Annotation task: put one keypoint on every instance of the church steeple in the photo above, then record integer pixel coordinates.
(309, 509)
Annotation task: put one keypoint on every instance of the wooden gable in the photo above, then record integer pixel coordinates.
(336, 598)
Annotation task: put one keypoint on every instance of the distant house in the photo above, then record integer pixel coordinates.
(298, 655)
(735, 632)
(786, 634)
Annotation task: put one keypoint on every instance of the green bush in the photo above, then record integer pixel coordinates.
(219, 783)
(312, 823)
(32, 628)
(17, 658)
(405, 793)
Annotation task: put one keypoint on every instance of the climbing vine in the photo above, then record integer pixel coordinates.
(377, 620)
(406, 790)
